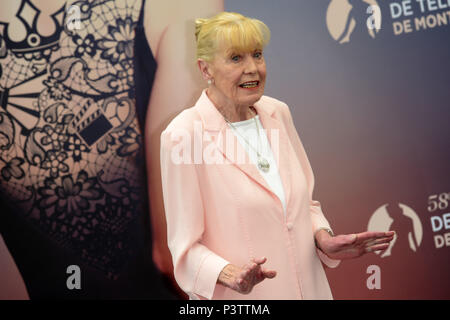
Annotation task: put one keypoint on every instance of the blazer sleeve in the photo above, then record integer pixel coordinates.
(196, 268)
(317, 217)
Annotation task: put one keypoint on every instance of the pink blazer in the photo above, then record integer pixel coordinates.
(223, 211)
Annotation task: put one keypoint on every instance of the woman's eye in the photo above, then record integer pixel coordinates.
(235, 58)
(257, 55)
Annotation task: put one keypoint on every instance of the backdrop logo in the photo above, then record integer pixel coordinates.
(397, 217)
(344, 17)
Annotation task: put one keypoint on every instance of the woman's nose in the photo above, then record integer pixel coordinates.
(250, 65)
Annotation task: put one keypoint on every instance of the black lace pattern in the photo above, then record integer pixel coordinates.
(70, 144)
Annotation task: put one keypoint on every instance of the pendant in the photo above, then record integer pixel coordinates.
(263, 165)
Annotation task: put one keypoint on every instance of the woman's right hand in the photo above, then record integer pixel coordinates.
(244, 279)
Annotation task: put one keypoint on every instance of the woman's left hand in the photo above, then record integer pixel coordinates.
(353, 245)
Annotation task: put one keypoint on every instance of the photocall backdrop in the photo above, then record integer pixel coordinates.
(372, 109)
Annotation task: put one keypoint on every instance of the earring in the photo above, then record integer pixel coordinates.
(210, 81)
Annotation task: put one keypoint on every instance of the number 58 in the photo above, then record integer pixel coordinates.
(438, 202)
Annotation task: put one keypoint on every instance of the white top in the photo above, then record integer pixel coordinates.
(247, 129)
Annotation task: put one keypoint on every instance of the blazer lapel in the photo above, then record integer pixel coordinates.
(280, 145)
(234, 152)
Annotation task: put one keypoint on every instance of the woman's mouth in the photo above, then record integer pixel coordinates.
(249, 84)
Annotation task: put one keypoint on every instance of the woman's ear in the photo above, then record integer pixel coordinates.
(204, 69)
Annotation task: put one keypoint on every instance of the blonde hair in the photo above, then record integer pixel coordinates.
(231, 29)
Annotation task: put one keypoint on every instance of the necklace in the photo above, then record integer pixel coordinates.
(263, 164)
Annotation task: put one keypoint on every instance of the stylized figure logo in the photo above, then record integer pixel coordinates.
(344, 17)
(395, 217)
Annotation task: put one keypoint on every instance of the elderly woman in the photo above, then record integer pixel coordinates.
(245, 227)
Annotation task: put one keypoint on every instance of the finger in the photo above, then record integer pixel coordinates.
(251, 271)
(259, 260)
(377, 247)
(250, 266)
(378, 241)
(390, 233)
(269, 273)
(372, 235)
(254, 266)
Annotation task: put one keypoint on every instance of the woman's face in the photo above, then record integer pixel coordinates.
(238, 78)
